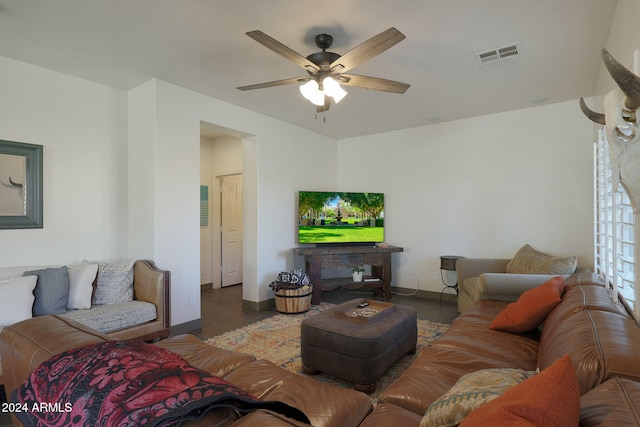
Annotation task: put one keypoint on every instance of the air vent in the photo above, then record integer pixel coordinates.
(499, 55)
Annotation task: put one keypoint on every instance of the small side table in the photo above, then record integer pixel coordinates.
(448, 262)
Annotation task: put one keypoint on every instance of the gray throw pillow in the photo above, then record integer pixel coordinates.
(52, 290)
(115, 283)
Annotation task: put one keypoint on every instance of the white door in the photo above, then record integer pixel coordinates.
(231, 229)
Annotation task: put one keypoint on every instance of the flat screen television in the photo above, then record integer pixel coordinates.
(340, 218)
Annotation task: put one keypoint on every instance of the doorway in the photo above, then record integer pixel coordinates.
(221, 230)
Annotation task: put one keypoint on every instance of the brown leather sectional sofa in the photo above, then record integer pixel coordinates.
(602, 340)
(27, 344)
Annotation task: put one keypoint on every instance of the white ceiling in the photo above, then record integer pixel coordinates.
(201, 45)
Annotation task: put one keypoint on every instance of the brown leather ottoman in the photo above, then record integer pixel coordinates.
(359, 350)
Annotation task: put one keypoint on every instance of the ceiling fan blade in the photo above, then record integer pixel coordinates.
(367, 50)
(282, 50)
(373, 83)
(275, 83)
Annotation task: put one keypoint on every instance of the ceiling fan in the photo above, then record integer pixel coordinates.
(327, 70)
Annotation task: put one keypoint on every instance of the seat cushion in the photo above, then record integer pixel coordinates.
(602, 345)
(611, 404)
(217, 361)
(114, 317)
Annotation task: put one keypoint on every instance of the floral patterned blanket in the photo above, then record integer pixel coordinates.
(121, 383)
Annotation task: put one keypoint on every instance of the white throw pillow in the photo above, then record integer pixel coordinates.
(81, 278)
(17, 299)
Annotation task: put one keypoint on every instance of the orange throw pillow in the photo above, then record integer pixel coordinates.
(549, 399)
(531, 308)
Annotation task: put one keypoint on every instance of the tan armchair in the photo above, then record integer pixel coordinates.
(500, 278)
(486, 278)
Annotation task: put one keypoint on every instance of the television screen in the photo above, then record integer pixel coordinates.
(340, 218)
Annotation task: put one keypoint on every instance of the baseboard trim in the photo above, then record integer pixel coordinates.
(271, 303)
(258, 305)
(186, 327)
(420, 293)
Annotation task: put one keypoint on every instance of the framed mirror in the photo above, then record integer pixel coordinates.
(20, 185)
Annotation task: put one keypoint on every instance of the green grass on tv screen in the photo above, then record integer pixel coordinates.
(340, 234)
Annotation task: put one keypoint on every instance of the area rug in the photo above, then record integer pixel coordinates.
(277, 339)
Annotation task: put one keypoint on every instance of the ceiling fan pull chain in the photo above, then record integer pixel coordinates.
(324, 118)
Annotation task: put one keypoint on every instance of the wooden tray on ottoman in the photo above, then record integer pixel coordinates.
(372, 311)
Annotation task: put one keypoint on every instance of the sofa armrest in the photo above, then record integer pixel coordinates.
(153, 285)
(474, 267)
(25, 345)
(503, 285)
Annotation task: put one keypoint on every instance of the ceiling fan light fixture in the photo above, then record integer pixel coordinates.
(318, 98)
(333, 89)
(308, 89)
(325, 69)
(311, 91)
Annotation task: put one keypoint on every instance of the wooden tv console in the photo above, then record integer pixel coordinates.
(319, 258)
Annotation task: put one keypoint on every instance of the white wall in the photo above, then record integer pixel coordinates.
(122, 180)
(82, 127)
(121, 177)
(624, 38)
(279, 160)
(223, 156)
(480, 187)
(141, 167)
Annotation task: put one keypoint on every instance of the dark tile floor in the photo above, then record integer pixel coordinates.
(222, 308)
(222, 311)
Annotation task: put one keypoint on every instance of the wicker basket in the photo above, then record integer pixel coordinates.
(293, 301)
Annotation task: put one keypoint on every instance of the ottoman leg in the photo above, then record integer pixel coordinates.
(309, 371)
(366, 388)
